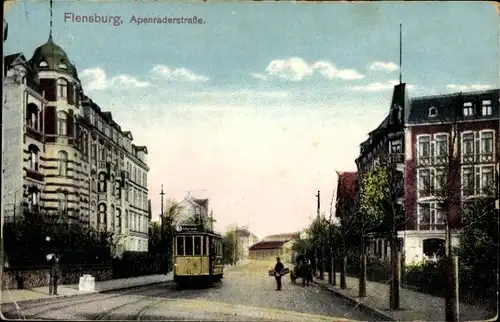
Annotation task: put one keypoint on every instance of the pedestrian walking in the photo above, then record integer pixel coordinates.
(278, 268)
(54, 275)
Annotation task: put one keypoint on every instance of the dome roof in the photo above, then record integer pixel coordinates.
(50, 56)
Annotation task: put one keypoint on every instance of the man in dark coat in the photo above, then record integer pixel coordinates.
(278, 268)
(54, 276)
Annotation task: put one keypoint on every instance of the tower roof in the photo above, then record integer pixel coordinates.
(52, 57)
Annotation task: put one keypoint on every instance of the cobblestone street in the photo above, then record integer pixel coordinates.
(246, 293)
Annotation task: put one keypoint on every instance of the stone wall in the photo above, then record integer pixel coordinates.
(27, 278)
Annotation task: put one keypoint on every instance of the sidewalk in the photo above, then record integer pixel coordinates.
(39, 293)
(414, 306)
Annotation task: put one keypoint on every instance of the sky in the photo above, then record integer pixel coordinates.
(261, 103)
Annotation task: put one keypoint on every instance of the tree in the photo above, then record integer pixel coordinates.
(168, 220)
(229, 243)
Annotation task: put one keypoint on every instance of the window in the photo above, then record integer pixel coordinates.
(189, 246)
(62, 128)
(487, 180)
(468, 181)
(179, 242)
(33, 157)
(102, 153)
(34, 198)
(424, 146)
(440, 179)
(62, 88)
(118, 220)
(424, 214)
(43, 64)
(125, 224)
(433, 112)
(486, 142)
(62, 201)
(93, 151)
(468, 144)
(94, 185)
(441, 145)
(486, 107)
(62, 163)
(424, 182)
(32, 116)
(467, 110)
(111, 219)
(102, 182)
(62, 66)
(102, 213)
(197, 246)
(126, 194)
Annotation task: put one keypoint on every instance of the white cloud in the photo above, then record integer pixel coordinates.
(176, 74)
(96, 79)
(296, 69)
(477, 87)
(378, 86)
(383, 66)
(258, 76)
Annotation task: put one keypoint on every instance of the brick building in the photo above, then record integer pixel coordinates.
(416, 137)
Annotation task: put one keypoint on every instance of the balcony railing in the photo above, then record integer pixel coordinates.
(396, 158)
(486, 157)
(424, 161)
(423, 226)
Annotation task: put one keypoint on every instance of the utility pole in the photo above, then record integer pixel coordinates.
(322, 241)
(162, 234)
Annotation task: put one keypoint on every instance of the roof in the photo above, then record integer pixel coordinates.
(346, 191)
(54, 56)
(267, 245)
(449, 106)
(284, 236)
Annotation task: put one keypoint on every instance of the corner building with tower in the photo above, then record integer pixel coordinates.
(63, 155)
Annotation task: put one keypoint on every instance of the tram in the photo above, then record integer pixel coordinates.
(197, 255)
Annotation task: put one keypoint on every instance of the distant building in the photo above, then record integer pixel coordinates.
(244, 239)
(274, 246)
(192, 206)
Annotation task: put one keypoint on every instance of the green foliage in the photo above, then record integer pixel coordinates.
(478, 247)
(373, 199)
(230, 254)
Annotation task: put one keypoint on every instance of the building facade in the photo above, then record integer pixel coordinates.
(244, 239)
(64, 155)
(418, 137)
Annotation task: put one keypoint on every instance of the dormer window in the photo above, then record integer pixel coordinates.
(43, 64)
(433, 112)
(468, 111)
(62, 66)
(486, 107)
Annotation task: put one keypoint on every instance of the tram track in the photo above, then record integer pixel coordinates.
(74, 301)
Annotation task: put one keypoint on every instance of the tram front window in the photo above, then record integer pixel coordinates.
(180, 246)
(189, 246)
(197, 246)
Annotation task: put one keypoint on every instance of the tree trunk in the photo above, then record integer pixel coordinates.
(322, 263)
(362, 273)
(343, 264)
(334, 269)
(451, 289)
(394, 301)
(330, 269)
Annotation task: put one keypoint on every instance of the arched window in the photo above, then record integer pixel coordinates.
(43, 64)
(34, 198)
(62, 163)
(62, 119)
(62, 201)
(102, 182)
(432, 111)
(102, 213)
(62, 88)
(32, 116)
(33, 157)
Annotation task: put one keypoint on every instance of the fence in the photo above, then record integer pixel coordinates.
(139, 264)
(27, 257)
(474, 287)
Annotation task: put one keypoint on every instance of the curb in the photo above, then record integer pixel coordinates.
(354, 301)
(43, 299)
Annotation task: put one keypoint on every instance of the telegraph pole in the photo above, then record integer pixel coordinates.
(322, 241)
(162, 233)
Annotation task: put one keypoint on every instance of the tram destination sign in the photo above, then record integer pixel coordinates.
(189, 228)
